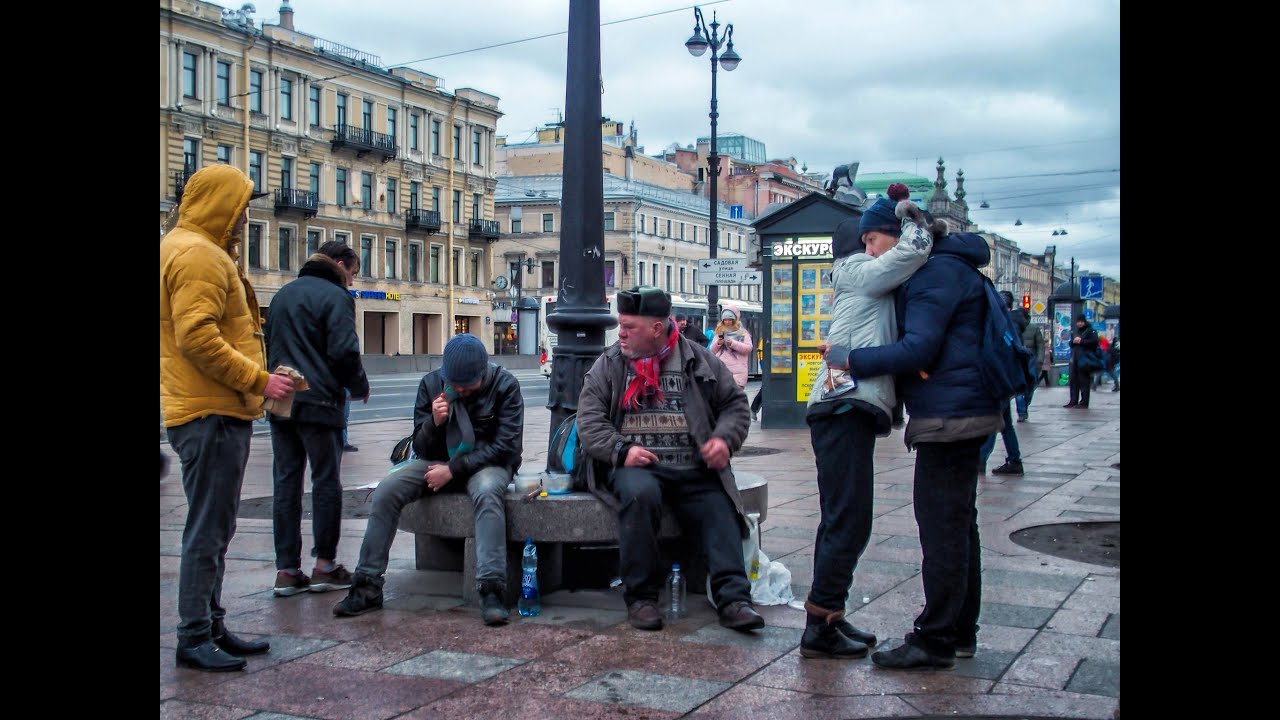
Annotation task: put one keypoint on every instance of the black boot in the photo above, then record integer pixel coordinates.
(234, 645)
(492, 610)
(205, 655)
(822, 638)
(853, 633)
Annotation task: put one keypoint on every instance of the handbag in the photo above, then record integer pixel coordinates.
(1090, 361)
(402, 451)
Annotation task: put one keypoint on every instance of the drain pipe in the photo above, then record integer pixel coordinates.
(449, 331)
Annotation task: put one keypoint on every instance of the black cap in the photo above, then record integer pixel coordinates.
(644, 300)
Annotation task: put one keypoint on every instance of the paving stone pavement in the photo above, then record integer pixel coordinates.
(1049, 644)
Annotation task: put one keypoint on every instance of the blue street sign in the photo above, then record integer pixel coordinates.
(1091, 287)
(1088, 315)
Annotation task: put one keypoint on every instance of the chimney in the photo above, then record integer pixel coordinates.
(630, 153)
(286, 16)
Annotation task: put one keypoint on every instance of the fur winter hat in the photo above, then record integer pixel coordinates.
(881, 215)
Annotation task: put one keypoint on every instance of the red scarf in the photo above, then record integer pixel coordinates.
(645, 383)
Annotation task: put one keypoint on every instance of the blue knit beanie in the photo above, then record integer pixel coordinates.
(880, 216)
(465, 360)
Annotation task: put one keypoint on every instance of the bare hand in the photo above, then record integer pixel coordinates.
(715, 452)
(639, 457)
(438, 476)
(823, 348)
(1075, 341)
(440, 410)
(278, 387)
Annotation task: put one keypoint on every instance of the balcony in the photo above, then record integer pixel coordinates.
(364, 141)
(180, 179)
(487, 229)
(428, 220)
(303, 201)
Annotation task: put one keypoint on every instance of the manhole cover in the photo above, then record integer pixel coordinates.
(755, 451)
(1096, 543)
(355, 504)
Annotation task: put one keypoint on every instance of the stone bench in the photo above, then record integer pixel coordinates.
(444, 531)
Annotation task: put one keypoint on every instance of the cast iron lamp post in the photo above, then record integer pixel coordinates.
(697, 44)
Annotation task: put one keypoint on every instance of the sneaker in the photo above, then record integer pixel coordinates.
(339, 578)
(365, 596)
(1011, 467)
(967, 649)
(350, 448)
(644, 615)
(288, 583)
(822, 640)
(909, 657)
(492, 610)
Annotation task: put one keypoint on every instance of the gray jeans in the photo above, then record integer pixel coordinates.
(405, 483)
(214, 451)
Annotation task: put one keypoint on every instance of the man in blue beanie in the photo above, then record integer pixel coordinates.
(468, 435)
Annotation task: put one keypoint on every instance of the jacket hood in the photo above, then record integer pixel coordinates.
(737, 314)
(326, 268)
(970, 247)
(213, 201)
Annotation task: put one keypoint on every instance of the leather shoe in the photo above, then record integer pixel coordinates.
(350, 448)
(739, 615)
(207, 656)
(644, 615)
(909, 657)
(234, 645)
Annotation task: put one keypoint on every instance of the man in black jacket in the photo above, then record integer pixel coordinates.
(468, 435)
(311, 327)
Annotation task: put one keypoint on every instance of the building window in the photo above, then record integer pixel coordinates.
(284, 253)
(415, 251)
(313, 242)
(457, 206)
(516, 224)
(413, 131)
(475, 207)
(313, 101)
(668, 229)
(475, 147)
(610, 279)
(457, 266)
(366, 255)
(475, 269)
(548, 222)
(640, 276)
(224, 154)
(190, 154)
(366, 114)
(314, 179)
(340, 186)
(668, 287)
(188, 74)
(391, 123)
(641, 223)
(435, 264)
(695, 234)
(457, 142)
(435, 199)
(415, 190)
(224, 83)
(695, 279)
(392, 190)
(342, 110)
(608, 221)
(681, 231)
(548, 273)
(255, 90)
(682, 280)
(344, 238)
(435, 138)
(255, 246)
(366, 190)
(655, 227)
(286, 173)
(255, 169)
(286, 99)
(390, 250)
(655, 275)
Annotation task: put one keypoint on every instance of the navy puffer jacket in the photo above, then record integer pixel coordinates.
(941, 311)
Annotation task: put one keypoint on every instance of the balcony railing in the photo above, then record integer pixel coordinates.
(487, 229)
(428, 220)
(180, 179)
(363, 140)
(297, 200)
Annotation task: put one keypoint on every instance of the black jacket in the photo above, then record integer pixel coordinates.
(311, 327)
(497, 416)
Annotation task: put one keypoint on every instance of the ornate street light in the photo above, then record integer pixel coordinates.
(703, 38)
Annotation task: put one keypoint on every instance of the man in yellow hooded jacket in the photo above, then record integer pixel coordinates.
(212, 382)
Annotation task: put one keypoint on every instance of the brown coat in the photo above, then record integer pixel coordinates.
(714, 404)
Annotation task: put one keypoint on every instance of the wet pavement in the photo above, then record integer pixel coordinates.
(1049, 644)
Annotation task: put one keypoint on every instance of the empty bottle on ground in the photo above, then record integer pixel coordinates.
(530, 603)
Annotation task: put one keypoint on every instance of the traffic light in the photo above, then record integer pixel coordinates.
(1026, 302)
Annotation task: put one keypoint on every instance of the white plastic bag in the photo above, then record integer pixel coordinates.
(770, 580)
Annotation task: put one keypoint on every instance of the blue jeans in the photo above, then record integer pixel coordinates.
(1011, 450)
(1023, 402)
(346, 416)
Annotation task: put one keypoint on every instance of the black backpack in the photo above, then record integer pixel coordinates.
(1004, 363)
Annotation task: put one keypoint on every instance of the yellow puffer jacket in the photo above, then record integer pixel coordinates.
(212, 357)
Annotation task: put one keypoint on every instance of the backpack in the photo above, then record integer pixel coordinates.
(566, 454)
(1004, 363)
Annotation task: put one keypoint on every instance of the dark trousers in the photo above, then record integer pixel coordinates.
(945, 495)
(214, 451)
(758, 401)
(843, 446)
(1079, 386)
(704, 511)
(294, 444)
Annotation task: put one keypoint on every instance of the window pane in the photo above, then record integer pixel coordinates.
(366, 256)
(392, 191)
(314, 110)
(284, 253)
(255, 245)
(414, 250)
(547, 222)
(313, 242)
(189, 74)
(286, 98)
(608, 221)
(224, 83)
(391, 259)
(516, 224)
(435, 263)
(340, 186)
(255, 91)
(548, 274)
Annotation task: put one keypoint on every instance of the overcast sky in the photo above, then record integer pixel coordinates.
(1023, 95)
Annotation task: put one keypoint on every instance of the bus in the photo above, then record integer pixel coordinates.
(694, 310)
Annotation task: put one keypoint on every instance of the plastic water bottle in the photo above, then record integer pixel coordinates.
(530, 602)
(676, 594)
